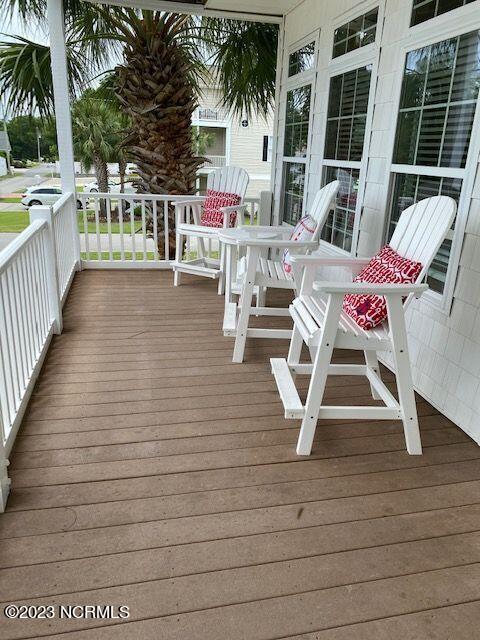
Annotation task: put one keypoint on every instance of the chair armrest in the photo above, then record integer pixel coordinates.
(256, 228)
(320, 261)
(279, 244)
(367, 288)
(232, 209)
(194, 201)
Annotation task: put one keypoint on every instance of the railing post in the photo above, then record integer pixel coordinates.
(45, 213)
(76, 233)
(265, 208)
(4, 479)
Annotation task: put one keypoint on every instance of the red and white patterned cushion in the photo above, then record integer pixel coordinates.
(387, 266)
(215, 200)
(303, 231)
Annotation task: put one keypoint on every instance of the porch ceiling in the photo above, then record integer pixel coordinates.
(261, 10)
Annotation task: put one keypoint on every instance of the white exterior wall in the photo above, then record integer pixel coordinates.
(444, 338)
(3, 166)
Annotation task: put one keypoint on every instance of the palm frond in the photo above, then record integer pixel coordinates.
(26, 75)
(243, 56)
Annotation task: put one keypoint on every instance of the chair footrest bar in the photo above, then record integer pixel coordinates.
(269, 311)
(358, 413)
(382, 390)
(286, 388)
(195, 270)
(276, 334)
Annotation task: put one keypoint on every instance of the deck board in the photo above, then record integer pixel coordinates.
(152, 472)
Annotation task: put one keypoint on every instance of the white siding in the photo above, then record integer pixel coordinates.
(445, 344)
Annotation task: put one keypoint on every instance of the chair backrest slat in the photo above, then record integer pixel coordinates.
(322, 205)
(229, 180)
(422, 228)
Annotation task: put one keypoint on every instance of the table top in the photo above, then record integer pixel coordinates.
(238, 235)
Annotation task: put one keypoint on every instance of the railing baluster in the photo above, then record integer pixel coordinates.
(97, 230)
(132, 228)
(166, 230)
(144, 231)
(155, 229)
(121, 204)
(85, 227)
(108, 206)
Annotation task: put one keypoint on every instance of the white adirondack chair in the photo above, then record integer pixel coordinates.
(320, 322)
(255, 273)
(227, 180)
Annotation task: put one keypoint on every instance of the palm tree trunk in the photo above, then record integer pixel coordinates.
(122, 169)
(101, 173)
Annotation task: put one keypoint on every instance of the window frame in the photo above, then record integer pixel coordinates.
(418, 36)
(361, 57)
(454, 14)
(297, 81)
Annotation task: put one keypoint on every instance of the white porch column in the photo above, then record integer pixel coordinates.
(278, 84)
(58, 54)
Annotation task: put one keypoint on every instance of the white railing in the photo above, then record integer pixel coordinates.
(36, 270)
(65, 233)
(211, 115)
(214, 161)
(131, 231)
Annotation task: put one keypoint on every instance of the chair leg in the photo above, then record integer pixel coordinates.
(295, 348)
(406, 394)
(178, 258)
(261, 296)
(371, 361)
(245, 303)
(316, 389)
(221, 277)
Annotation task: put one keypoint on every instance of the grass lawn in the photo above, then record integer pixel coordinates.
(17, 221)
(117, 255)
(13, 221)
(3, 199)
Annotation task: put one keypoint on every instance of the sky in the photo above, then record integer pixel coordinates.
(14, 25)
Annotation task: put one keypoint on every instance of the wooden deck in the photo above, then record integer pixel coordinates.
(151, 472)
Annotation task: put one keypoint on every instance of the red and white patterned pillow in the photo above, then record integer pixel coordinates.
(387, 266)
(303, 231)
(215, 200)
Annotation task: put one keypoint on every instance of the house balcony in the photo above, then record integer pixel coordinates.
(214, 162)
(149, 471)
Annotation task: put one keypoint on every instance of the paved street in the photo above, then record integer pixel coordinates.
(26, 179)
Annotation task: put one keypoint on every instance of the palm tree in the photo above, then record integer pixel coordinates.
(157, 82)
(94, 139)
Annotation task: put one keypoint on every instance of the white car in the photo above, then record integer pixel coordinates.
(113, 187)
(42, 195)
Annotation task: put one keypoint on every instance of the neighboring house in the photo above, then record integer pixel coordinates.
(244, 142)
(384, 96)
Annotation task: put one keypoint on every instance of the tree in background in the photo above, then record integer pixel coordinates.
(94, 135)
(23, 131)
(157, 83)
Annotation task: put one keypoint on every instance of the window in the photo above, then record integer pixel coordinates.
(344, 142)
(297, 122)
(338, 229)
(293, 189)
(347, 114)
(355, 34)
(437, 107)
(426, 9)
(297, 126)
(301, 60)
